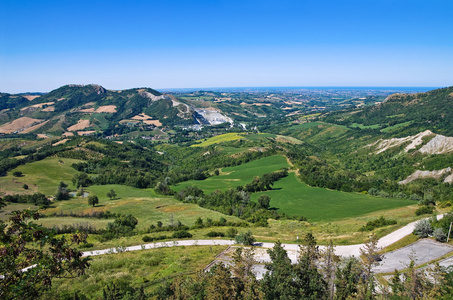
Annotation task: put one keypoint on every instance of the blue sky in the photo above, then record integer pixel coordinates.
(183, 44)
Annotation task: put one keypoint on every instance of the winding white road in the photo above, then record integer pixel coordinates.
(350, 250)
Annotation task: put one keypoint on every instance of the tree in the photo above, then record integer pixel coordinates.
(25, 186)
(423, 228)
(231, 232)
(25, 244)
(93, 200)
(245, 238)
(371, 258)
(17, 174)
(62, 192)
(220, 285)
(245, 284)
(111, 194)
(347, 279)
(264, 201)
(81, 179)
(278, 282)
(308, 281)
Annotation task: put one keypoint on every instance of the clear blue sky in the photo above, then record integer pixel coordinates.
(192, 43)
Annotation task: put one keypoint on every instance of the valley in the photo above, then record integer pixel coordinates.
(134, 167)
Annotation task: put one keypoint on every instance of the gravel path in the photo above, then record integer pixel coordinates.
(350, 250)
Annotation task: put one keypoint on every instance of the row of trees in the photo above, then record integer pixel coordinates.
(316, 275)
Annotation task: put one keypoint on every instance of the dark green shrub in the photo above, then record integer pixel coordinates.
(147, 239)
(215, 234)
(181, 234)
(424, 210)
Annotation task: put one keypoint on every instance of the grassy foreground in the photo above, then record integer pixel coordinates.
(146, 268)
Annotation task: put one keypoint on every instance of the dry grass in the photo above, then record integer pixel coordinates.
(106, 109)
(81, 124)
(33, 128)
(156, 123)
(18, 124)
(31, 97)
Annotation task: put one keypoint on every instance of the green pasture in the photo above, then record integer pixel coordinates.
(41, 176)
(305, 125)
(60, 221)
(396, 126)
(239, 175)
(147, 268)
(231, 136)
(143, 204)
(317, 204)
(357, 125)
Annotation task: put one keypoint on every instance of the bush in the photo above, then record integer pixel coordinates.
(439, 235)
(17, 173)
(245, 238)
(181, 234)
(147, 239)
(424, 210)
(423, 228)
(381, 222)
(215, 234)
(231, 232)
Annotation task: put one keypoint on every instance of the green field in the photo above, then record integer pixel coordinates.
(232, 136)
(147, 268)
(234, 176)
(317, 204)
(356, 125)
(41, 176)
(396, 126)
(143, 204)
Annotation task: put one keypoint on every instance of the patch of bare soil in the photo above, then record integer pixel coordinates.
(39, 105)
(18, 125)
(31, 97)
(49, 108)
(141, 117)
(438, 145)
(34, 127)
(436, 174)
(67, 134)
(60, 142)
(87, 110)
(42, 136)
(106, 109)
(81, 124)
(87, 132)
(415, 140)
(156, 123)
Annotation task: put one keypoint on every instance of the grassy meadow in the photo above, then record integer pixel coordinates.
(293, 197)
(232, 136)
(143, 204)
(232, 177)
(41, 176)
(146, 268)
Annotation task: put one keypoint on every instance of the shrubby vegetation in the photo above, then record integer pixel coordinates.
(381, 222)
(35, 199)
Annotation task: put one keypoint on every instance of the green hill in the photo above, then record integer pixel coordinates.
(431, 110)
